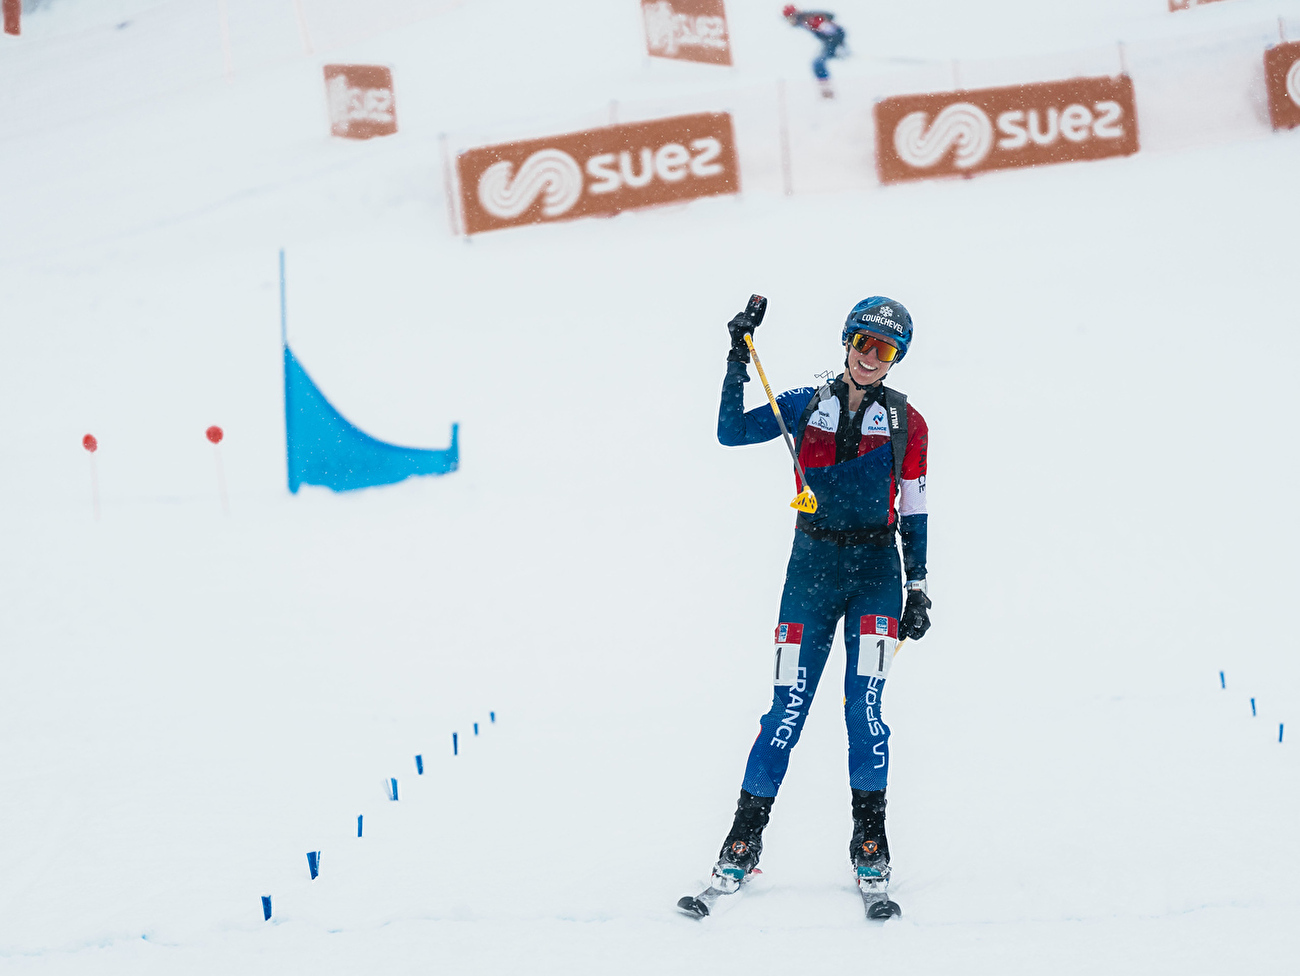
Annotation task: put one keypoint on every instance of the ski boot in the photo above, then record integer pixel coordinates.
(869, 854)
(738, 859)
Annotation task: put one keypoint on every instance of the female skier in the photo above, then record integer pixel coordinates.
(822, 26)
(862, 448)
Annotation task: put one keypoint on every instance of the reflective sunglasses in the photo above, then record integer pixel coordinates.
(863, 341)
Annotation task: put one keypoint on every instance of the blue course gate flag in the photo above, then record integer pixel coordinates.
(324, 449)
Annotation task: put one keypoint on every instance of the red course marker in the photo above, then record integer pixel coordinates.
(214, 434)
(92, 445)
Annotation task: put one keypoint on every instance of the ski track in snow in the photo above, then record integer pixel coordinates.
(192, 702)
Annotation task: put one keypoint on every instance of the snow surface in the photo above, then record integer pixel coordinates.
(191, 702)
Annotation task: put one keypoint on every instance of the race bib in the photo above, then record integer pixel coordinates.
(785, 670)
(878, 636)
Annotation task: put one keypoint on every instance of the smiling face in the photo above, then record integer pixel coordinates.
(865, 368)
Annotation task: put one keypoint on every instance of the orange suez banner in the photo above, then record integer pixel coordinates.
(920, 137)
(1282, 76)
(1187, 4)
(360, 100)
(598, 172)
(687, 30)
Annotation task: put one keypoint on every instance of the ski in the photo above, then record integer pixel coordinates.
(701, 905)
(876, 901)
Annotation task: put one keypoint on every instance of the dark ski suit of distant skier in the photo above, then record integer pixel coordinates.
(844, 565)
(821, 24)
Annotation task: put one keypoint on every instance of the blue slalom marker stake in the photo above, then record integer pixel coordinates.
(492, 717)
(476, 728)
(266, 908)
(1252, 708)
(392, 789)
(1222, 683)
(419, 765)
(1279, 731)
(313, 863)
(359, 816)
(455, 744)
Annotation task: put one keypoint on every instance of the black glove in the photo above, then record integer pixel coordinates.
(744, 324)
(915, 620)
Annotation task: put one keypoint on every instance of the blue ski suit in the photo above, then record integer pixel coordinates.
(844, 564)
(822, 26)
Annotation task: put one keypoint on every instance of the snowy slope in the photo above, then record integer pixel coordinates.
(192, 702)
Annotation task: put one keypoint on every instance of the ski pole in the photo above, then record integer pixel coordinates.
(805, 501)
(899, 646)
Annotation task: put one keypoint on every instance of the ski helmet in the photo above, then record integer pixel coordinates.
(883, 317)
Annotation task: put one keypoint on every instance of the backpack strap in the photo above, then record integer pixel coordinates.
(896, 407)
(823, 392)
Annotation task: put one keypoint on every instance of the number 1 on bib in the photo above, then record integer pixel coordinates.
(878, 636)
(785, 669)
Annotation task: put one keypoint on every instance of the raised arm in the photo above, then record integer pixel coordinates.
(736, 427)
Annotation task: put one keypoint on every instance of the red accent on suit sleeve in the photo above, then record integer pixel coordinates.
(918, 445)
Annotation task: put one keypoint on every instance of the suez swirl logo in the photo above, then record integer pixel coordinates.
(964, 128)
(1282, 78)
(597, 172)
(551, 174)
(947, 133)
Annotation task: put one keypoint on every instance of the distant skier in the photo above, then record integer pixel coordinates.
(863, 449)
(823, 27)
